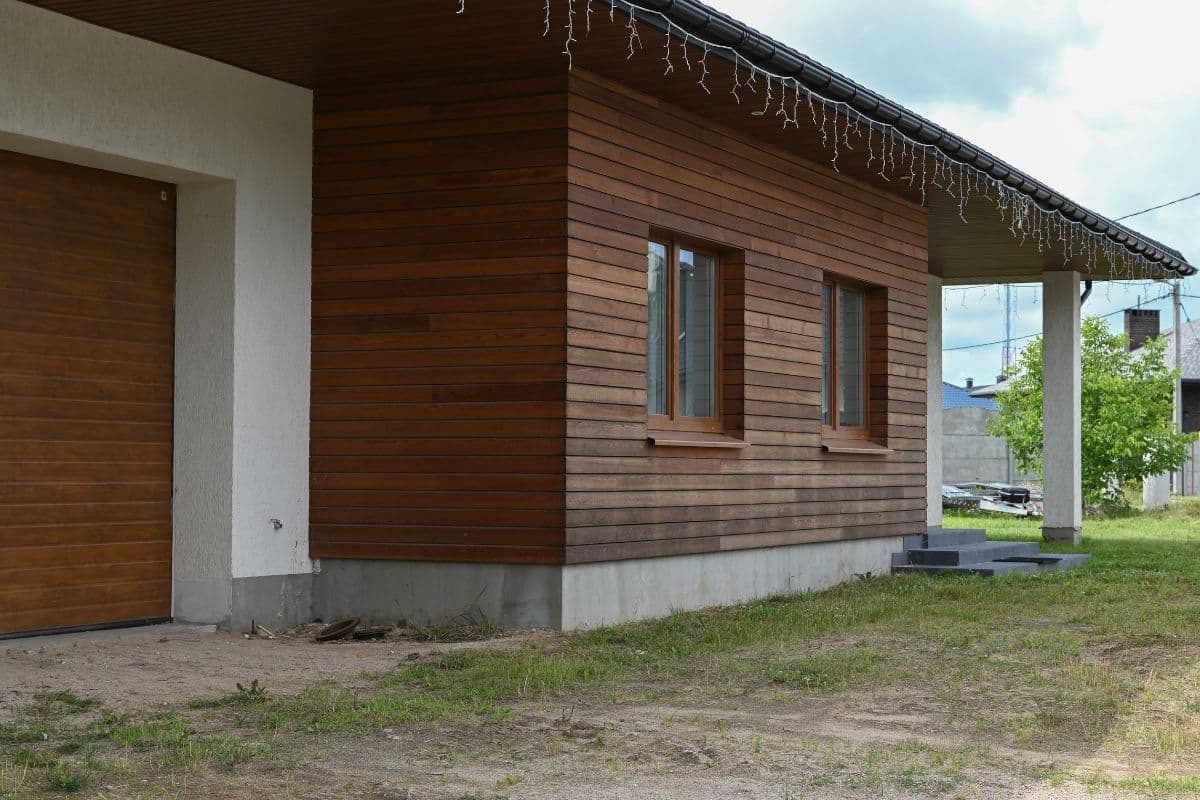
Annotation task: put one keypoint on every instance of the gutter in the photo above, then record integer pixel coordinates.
(756, 48)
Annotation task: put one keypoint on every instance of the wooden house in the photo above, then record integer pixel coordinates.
(318, 309)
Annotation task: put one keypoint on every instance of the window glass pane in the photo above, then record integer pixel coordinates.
(697, 334)
(657, 358)
(851, 327)
(826, 350)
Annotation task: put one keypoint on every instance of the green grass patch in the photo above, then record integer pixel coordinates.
(1154, 785)
(65, 777)
(1056, 660)
(1102, 657)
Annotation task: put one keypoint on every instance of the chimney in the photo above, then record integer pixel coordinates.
(1141, 324)
(970, 383)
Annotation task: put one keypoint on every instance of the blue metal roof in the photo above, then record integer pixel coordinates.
(958, 397)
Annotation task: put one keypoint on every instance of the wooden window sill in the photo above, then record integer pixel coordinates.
(855, 447)
(688, 439)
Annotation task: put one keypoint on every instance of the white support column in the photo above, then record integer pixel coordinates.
(1061, 448)
(933, 413)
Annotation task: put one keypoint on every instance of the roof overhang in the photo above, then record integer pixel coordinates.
(983, 247)
(318, 43)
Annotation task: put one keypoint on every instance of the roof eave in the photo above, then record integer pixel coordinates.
(756, 48)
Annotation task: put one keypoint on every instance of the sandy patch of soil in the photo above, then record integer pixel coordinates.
(142, 668)
(897, 743)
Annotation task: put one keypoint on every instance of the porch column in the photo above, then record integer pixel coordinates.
(933, 411)
(1061, 448)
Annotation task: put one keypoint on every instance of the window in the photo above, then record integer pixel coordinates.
(844, 359)
(682, 384)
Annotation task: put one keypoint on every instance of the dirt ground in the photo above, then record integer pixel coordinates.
(855, 745)
(144, 668)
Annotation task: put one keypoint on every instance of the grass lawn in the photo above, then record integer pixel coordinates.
(1091, 675)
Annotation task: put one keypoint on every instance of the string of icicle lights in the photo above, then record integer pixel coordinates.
(897, 156)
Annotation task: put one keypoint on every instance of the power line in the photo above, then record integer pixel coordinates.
(1156, 208)
(1033, 335)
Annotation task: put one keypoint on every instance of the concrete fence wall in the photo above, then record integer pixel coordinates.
(971, 454)
(1191, 473)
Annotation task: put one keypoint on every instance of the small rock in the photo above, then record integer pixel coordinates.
(413, 656)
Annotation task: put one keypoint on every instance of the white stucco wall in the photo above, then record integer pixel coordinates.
(86, 95)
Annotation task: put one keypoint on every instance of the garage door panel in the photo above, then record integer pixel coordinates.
(77, 347)
(114, 410)
(107, 555)
(86, 533)
(26, 582)
(34, 205)
(67, 322)
(50, 430)
(91, 390)
(156, 452)
(90, 247)
(86, 374)
(81, 595)
(90, 307)
(101, 612)
(75, 235)
(83, 369)
(21, 494)
(84, 513)
(80, 471)
(85, 277)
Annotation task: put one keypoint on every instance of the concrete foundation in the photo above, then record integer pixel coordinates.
(202, 601)
(582, 596)
(610, 593)
(275, 601)
(427, 592)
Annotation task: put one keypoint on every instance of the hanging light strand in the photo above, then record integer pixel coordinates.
(1026, 220)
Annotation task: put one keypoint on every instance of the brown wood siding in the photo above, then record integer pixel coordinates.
(636, 164)
(439, 321)
(86, 351)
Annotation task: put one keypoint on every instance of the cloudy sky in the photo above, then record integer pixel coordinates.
(1098, 98)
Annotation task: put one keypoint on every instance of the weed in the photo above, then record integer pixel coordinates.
(472, 625)
(69, 700)
(64, 777)
(254, 694)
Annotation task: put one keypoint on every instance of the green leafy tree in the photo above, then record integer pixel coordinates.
(1128, 430)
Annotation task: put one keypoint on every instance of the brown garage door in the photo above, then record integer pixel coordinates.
(87, 279)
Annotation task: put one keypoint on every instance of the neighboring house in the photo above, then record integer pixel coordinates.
(1190, 374)
(970, 453)
(378, 309)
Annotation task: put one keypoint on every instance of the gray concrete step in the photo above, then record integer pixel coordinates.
(976, 553)
(949, 537)
(985, 568)
(1055, 562)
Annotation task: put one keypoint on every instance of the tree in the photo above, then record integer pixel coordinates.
(1128, 430)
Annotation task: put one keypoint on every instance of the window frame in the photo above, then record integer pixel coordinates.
(830, 393)
(673, 420)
